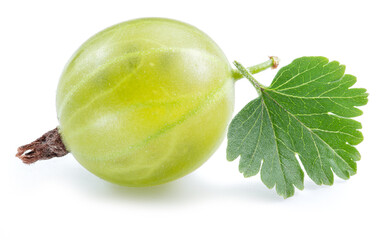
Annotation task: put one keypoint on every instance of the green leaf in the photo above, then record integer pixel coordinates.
(304, 115)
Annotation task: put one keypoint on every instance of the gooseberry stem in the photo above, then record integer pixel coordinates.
(49, 145)
(271, 63)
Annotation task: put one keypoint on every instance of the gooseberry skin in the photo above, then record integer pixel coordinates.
(145, 102)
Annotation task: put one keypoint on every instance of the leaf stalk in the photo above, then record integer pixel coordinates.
(247, 74)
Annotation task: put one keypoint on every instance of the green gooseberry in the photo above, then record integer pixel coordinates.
(142, 103)
(145, 102)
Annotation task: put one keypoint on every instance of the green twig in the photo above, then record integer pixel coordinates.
(271, 63)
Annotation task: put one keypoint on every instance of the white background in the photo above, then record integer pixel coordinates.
(59, 199)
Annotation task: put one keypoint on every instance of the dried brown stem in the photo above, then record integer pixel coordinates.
(48, 146)
(276, 61)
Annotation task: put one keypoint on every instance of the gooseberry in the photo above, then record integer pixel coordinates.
(141, 103)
